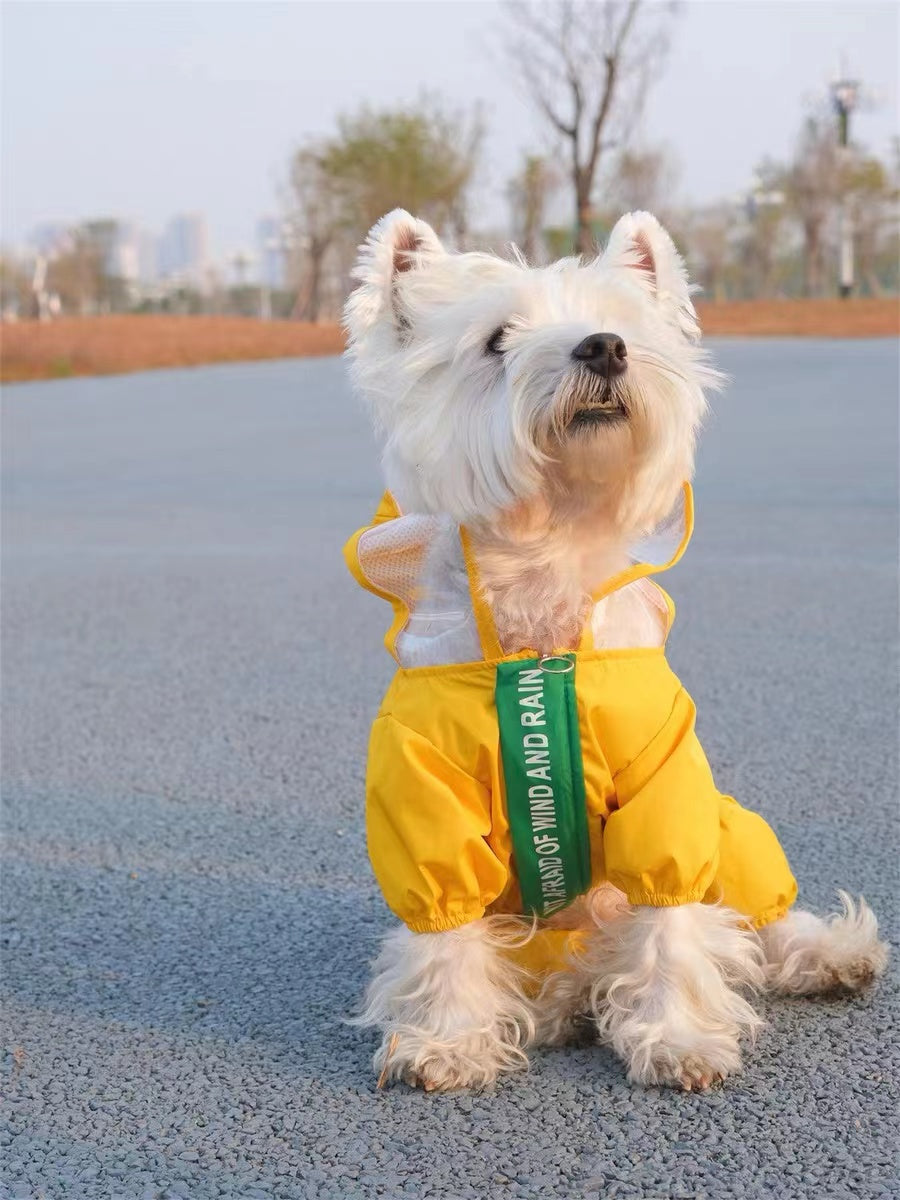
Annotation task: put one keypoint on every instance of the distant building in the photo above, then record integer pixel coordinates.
(136, 259)
(148, 256)
(49, 238)
(184, 250)
(105, 235)
(270, 246)
(123, 259)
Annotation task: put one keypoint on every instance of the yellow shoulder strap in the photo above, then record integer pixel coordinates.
(640, 570)
(487, 631)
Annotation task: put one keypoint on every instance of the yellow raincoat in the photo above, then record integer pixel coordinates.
(437, 819)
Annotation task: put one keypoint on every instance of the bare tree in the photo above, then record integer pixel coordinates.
(813, 186)
(529, 192)
(316, 221)
(641, 179)
(782, 240)
(15, 286)
(77, 272)
(872, 194)
(587, 65)
(762, 242)
(710, 249)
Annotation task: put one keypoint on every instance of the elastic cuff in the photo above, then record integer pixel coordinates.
(652, 900)
(443, 924)
(770, 916)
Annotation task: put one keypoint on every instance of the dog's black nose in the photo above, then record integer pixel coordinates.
(603, 353)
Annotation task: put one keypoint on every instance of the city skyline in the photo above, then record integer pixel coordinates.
(221, 94)
(178, 254)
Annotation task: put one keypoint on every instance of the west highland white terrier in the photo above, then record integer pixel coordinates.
(540, 814)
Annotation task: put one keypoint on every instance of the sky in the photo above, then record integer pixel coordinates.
(144, 108)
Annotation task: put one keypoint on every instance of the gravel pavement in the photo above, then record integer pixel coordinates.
(188, 910)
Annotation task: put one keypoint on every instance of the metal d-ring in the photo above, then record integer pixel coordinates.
(556, 658)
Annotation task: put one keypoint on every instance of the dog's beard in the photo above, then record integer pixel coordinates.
(586, 403)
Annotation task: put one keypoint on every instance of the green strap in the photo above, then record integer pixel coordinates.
(540, 749)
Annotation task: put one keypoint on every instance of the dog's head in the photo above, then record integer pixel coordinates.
(493, 382)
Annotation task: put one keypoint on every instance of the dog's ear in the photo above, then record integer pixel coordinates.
(397, 244)
(639, 243)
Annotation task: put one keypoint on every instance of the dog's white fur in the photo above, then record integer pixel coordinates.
(479, 424)
(452, 1006)
(665, 989)
(806, 954)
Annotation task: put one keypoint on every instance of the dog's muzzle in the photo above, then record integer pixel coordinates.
(603, 362)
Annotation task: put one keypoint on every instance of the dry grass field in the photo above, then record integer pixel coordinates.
(802, 318)
(116, 344)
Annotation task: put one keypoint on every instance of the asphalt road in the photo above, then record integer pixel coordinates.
(188, 909)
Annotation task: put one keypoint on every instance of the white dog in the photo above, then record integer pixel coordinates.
(540, 814)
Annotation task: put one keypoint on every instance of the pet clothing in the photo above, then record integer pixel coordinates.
(507, 783)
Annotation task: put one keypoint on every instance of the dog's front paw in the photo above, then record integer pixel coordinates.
(693, 1069)
(685, 1048)
(667, 992)
(473, 1061)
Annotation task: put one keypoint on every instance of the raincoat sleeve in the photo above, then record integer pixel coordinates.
(427, 822)
(754, 876)
(661, 845)
(675, 839)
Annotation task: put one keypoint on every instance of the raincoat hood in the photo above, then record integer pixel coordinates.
(424, 567)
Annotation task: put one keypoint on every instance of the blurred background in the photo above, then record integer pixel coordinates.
(190, 675)
(226, 158)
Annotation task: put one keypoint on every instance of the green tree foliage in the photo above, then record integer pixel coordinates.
(872, 190)
(785, 239)
(421, 157)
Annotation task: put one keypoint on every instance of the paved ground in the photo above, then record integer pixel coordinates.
(189, 676)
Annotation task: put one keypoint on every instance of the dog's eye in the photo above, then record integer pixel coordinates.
(493, 345)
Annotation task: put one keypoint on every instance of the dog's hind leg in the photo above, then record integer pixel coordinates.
(666, 991)
(450, 1006)
(806, 954)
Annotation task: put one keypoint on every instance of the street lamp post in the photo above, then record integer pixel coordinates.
(279, 243)
(241, 261)
(265, 293)
(844, 95)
